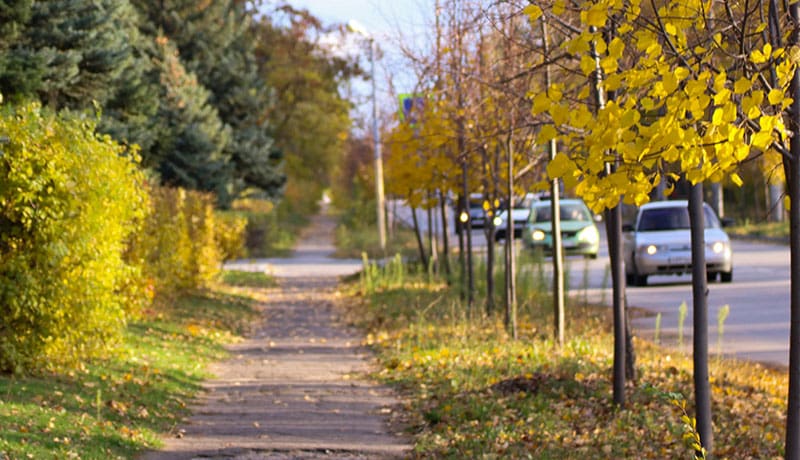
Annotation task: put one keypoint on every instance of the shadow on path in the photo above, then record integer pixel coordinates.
(293, 390)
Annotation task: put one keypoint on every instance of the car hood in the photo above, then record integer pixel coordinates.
(678, 237)
(516, 214)
(566, 226)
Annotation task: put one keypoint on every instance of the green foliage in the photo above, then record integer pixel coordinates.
(66, 53)
(310, 118)
(118, 406)
(683, 310)
(722, 315)
(271, 230)
(247, 279)
(179, 247)
(390, 275)
(68, 202)
(230, 234)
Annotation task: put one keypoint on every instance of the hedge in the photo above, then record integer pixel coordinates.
(69, 201)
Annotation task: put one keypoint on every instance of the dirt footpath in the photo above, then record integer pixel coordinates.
(294, 390)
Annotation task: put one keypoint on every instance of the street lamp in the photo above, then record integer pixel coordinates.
(379, 195)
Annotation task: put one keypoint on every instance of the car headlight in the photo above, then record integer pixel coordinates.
(537, 235)
(498, 221)
(589, 234)
(718, 247)
(463, 217)
(650, 249)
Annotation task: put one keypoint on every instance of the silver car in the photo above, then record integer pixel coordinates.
(659, 243)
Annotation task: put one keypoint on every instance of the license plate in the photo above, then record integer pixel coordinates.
(680, 260)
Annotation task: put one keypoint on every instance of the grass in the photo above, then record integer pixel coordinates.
(119, 406)
(771, 230)
(472, 392)
(242, 278)
(351, 242)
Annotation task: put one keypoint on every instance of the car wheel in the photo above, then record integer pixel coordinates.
(711, 276)
(726, 277)
(629, 279)
(638, 280)
(591, 256)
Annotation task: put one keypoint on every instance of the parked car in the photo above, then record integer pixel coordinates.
(519, 213)
(476, 213)
(659, 243)
(579, 234)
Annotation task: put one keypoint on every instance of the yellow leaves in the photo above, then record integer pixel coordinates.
(588, 64)
(775, 96)
(742, 85)
(615, 48)
(595, 16)
(546, 134)
(541, 103)
(533, 12)
(761, 56)
(560, 166)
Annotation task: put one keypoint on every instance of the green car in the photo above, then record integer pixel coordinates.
(579, 234)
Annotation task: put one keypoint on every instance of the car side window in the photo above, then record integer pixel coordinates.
(543, 214)
(711, 220)
(664, 219)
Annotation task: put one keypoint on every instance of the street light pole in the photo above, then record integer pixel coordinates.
(379, 196)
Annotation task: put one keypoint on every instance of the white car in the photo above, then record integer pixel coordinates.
(520, 213)
(659, 243)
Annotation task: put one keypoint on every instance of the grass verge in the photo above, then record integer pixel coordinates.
(119, 406)
(777, 231)
(473, 392)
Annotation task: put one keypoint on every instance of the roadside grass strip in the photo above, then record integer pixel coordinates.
(471, 391)
(119, 406)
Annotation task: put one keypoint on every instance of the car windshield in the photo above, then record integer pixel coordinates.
(569, 211)
(675, 218)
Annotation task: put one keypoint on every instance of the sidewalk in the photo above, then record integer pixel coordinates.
(293, 390)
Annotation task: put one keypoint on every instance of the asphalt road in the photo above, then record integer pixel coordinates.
(757, 326)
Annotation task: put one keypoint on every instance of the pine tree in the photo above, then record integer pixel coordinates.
(67, 53)
(214, 41)
(189, 149)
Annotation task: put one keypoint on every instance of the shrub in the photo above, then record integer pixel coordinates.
(183, 242)
(69, 200)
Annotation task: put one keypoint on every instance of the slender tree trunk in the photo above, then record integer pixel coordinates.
(555, 216)
(490, 267)
(423, 258)
(511, 265)
(445, 237)
(462, 251)
(614, 237)
(432, 249)
(470, 282)
(791, 168)
(700, 316)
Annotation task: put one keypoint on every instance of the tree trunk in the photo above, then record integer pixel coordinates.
(511, 266)
(420, 245)
(555, 213)
(445, 238)
(489, 231)
(702, 389)
(433, 251)
(791, 168)
(613, 219)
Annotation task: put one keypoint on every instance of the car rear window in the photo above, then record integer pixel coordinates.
(673, 219)
(568, 212)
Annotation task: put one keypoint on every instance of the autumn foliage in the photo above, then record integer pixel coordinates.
(84, 244)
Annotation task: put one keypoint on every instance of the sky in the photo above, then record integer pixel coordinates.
(389, 22)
